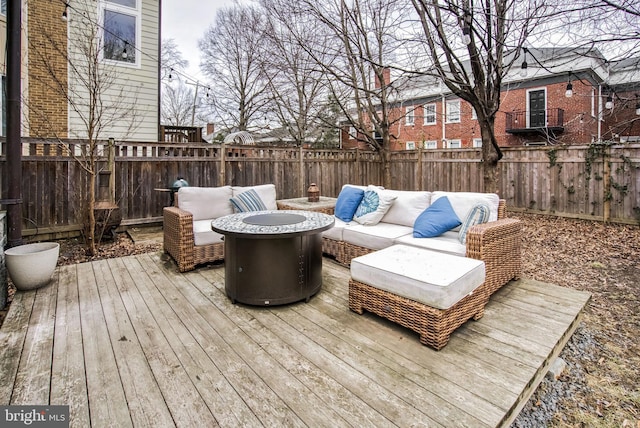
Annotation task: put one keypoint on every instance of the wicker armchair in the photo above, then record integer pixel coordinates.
(188, 237)
(179, 242)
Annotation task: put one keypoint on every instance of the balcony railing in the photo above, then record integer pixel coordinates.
(180, 134)
(522, 122)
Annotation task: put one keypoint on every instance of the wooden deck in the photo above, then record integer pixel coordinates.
(131, 342)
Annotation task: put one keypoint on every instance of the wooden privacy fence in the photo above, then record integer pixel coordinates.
(599, 182)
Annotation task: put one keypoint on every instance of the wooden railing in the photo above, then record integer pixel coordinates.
(180, 134)
(579, 181)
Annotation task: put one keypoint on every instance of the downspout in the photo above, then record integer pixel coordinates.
(14, 142)
(444, 119)
(600, 113)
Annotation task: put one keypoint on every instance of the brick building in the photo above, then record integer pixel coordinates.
(536, 107)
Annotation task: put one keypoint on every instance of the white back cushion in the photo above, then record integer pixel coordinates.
(267, 193)
(205, 203)
(407, 206)
(462, 202)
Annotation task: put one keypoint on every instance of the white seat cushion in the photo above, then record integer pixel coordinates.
(203, 235)
(382, 235)
(429, 277)
(335, 232)
(448, 242)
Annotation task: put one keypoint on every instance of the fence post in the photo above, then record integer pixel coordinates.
(221, 174)
(303, 190)
(419, 170)
(606, 175)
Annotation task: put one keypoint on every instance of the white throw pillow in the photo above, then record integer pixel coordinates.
(374, 206)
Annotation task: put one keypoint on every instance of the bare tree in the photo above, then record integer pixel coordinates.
(468, 43)
(233, 57)
(177, 104)
(360, 42)
(297, 86)
(172, 61)
(101, 100)
(177, 98)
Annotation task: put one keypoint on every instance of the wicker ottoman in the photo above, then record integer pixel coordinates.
(428, 292)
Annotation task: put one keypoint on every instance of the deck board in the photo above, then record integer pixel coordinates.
(132, 342)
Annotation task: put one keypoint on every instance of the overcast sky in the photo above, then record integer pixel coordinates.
(185, 21)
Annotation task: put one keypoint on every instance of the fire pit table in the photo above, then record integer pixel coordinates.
(272, 257)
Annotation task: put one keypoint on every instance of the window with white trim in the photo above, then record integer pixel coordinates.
(430, 114)
(453, 111)
(477, 142)
(352, 132)
(410, 117)
(410, 145)
(474, 115)
(430, 144)
(454, 144)
(120, 23)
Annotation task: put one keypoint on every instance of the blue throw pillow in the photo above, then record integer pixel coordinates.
(248, 201)
(436, 220)
(348, 201)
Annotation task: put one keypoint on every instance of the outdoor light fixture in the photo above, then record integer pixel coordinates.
(466, 35)
(609, 103)
(124, 51)
(569, 92)
(524, 66)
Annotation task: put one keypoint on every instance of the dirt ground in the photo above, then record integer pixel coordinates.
(603, 259)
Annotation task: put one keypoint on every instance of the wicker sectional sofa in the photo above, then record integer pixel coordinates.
(497, 242)
(188, 237)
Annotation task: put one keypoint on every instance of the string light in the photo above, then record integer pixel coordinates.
(569, 92)
(128, 46)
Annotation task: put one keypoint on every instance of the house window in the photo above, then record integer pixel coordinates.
(410, 145)
(121, 30)
(474, 115)
(409, 117)
(453, 111)
(454, 144)
(537, 108)
(430, 144)
(430, 114)
(477, 142)
(352, 132)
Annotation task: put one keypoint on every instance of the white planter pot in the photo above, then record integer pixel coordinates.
(30, 266)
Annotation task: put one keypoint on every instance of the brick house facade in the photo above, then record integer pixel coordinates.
(534, 109)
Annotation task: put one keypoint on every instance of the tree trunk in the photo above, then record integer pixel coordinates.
(491, 154)
(91, 217)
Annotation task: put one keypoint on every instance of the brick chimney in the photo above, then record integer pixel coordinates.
(210, 128)
(386, 75)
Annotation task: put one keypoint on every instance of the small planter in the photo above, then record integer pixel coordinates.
(30, 266)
